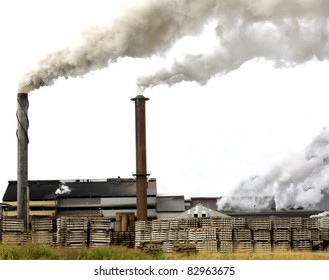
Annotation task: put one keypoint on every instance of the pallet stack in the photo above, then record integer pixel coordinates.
(324, 228)
(242, 240)
(301, 239)
(125, 238)
(143, 231)
(13, 232)
(281, 234)
(261, 230)
(42, 231)
(72, 232)
(225, 239)
(100, 232)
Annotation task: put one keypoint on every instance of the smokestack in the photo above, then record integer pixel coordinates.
(141, 173)
(22, 156)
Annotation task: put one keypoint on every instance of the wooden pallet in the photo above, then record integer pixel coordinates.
(281, 246)
(224, 234)
(159, 236)
(174, 224)
(324, 223)
(42, 237)
(239, 223)
(243, 246)
(182, 235)
(204, 222)
(102, 223)
(262, 246)
(262, 235)
(281, 235)
(143, 226)
(207, 245)
(296, 222)
(199, 234)
(258, 223)
(302, 245)
(168, 247)
(301, 234)
(225, 246)
(324, 234)
(16, 238)
(242, 235)
(315, 234)
(12, 225)
(310, 223)
(42, 224)
(220, 222)
(280, 223)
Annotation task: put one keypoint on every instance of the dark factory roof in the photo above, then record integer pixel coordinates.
(50, 189)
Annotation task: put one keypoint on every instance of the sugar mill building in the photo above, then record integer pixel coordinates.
(81, 197)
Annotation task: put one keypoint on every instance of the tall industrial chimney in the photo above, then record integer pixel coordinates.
(141, 172)
(22, 156)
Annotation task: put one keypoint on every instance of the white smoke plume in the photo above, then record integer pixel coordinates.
(63, 189)
(299, 181)
(288, 32)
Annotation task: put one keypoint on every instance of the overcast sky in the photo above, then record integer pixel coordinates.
(202, 139)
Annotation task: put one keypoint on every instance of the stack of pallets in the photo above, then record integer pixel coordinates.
(143, 231)
(206, 245)
(72, 231)
(261, 230)
(301, 239)
(242, 240)
(13, 232)
(100, 232)
(125, 238)
(238, 222)
(224, 239)
(281, 233)
(42, 231)
(324, 228)
(220, 222)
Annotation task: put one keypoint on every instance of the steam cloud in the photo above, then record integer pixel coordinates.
(300, 181)
(63, 189)
(289, 32)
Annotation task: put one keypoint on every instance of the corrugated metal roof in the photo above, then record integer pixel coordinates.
(46, 189)
(170, 204)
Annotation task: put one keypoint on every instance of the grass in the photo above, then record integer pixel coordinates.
(43, 252)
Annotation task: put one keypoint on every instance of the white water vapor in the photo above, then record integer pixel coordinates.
(302, 180)
(63, 189)
(289, 32)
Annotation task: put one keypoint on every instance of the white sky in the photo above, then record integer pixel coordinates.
(201, 140)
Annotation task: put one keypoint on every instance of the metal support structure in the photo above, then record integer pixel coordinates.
(22, 157)
(141, 170)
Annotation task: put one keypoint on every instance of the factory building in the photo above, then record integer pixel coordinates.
(103, 198)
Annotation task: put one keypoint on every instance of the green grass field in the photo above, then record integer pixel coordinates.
(42, 252)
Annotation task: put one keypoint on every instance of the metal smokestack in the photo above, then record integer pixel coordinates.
(22, 156)
(141, 173)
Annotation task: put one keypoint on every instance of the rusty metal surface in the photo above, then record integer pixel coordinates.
(141, 168)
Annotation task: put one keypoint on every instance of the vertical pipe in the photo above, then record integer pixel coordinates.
(22, 156)
(141, 172)
(124, 222)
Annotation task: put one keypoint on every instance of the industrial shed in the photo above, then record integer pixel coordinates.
(81, 197)
(201, 211)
